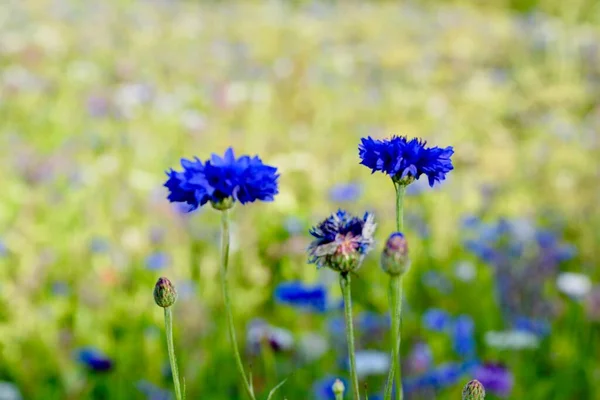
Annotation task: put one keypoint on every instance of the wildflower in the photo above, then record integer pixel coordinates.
(406, 160)
(372, 362)
(437, 320)
(165, 294)
(473, 390)
(495, 378)
(394, 258)
(465, 271)
(157, 261)
(312, 298)
(538, 327)
(420, 358)
(94, 359)
(463, 337)
(347, 192)
(259, 332)
(342, 241)
(3, 249)
(222, 181)
(441, 376)
(574, 285)
(323, 388)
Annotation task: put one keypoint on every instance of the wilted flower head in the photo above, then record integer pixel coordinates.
(473, 390)
(341, 241)
(394, 258)
(222, 181)
(165, 294)
(406, 160)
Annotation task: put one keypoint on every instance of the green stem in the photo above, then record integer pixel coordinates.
(396, 304)
(227, 300)
(345, 285)
(171, 349)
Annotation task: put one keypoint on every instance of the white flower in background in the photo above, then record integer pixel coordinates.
(8, 391)
(312, 346)
(573, 284)
(515, 340)
(465, 271)
(372, 362)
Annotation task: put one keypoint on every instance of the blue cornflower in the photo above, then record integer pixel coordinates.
(437, 320)
(322, 389)
(297, 294)
(345, 192)
(538, 327)
(463, 339)
(341, 241)
(496, 378)
(157, 261)
(441, 376)
(406, 160)
(94, 359)
(222, 181)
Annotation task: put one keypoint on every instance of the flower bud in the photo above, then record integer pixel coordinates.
(394, 258)
(473, 390)
(338, 388)
(165, 294)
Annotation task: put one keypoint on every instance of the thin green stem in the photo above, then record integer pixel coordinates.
(227, 300)
(171, 349)
(400, 191)
(346, 292)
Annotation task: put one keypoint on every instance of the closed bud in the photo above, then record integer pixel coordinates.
(473, 390)
(338, 388)
(394, 258)
(165, 294)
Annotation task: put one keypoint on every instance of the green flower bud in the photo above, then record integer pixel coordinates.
(338, 388)
(165, 294)
(473, 390)
(224, 204)
(394, 258)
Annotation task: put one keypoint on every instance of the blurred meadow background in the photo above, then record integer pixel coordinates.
(98, 99)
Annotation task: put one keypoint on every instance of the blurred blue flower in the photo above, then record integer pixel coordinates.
(463, 336)
(245, 179)
(441, 376)
(60, 288)
(322, 388)
(153, 392)
(495, 378)
(538, 327)
(369, 322)
(437, 320)
(297, 294)
(9, 391)
(293, 225)
(420, 358)
(400, 158)
(3, 249)
(157, 261)
(435, 280)
(94, 359)
(99, 245)
(341, 235)
(345, 192)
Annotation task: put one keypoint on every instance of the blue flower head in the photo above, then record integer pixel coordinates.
(222, 181)
(406, 160)
(312, 298)
(341, 241)
(437, 320)
(94, 359)
(463, 336)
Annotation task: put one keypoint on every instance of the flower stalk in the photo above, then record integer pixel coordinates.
(346, 292)
(227, 300)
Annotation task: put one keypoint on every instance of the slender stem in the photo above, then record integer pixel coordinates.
(227, 300)
(171, 349)
(345, 285)
(339, 396)
(396, 307)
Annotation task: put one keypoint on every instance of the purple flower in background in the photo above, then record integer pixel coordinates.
(345, 192)
(157, 261)
(437, 320)
(297, 294)
(244, 179)
(322, 388)
(463, 339)
(420, 358)
(401, 158)
(98, 106)
(495, 378)
(94, 359)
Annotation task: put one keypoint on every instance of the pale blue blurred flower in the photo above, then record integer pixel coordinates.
(157, 261)
(345, 192)
(437, 320)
